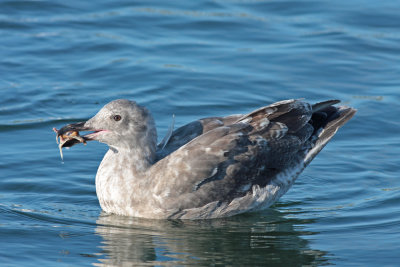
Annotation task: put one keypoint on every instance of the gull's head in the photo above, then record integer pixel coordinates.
(121, 124)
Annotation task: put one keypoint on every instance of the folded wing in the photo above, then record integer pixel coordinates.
(224, 162)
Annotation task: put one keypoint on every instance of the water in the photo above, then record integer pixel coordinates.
(60, 61)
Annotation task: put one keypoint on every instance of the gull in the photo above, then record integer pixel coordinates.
(209, 168)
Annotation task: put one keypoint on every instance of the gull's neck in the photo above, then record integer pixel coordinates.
(137, 158)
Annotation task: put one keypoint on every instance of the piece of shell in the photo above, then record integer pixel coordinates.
(67, 137)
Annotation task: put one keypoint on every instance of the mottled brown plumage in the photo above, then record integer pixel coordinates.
(213, 167)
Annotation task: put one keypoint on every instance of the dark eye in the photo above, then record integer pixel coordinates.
(117, 117)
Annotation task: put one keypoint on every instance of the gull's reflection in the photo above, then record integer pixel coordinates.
(254, 239)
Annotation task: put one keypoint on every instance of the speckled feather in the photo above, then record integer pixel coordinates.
(210, 168)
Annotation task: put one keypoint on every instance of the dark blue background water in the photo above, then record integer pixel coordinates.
(60, 61)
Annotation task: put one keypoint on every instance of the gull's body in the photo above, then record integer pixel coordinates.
(210, 168)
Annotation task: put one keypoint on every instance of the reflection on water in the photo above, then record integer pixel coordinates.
(272, 238)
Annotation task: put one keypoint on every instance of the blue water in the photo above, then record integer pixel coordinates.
(61, 61)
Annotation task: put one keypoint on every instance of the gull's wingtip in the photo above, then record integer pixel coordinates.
(324, 104)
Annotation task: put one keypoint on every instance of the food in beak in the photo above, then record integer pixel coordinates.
(68, 139)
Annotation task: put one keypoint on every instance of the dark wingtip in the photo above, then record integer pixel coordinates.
(322, 105)
(329, 128)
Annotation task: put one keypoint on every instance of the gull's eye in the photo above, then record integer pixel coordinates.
(117, 117)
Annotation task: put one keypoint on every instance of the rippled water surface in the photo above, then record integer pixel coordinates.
(61, 61)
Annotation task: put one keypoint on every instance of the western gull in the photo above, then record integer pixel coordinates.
(210, 168)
